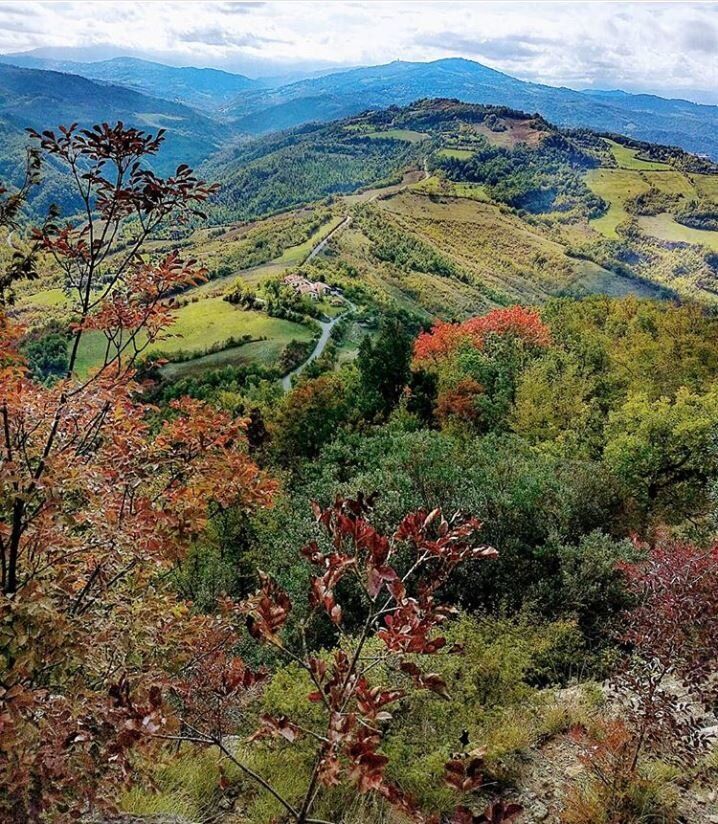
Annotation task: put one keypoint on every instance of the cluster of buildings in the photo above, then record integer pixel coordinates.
(312, 289)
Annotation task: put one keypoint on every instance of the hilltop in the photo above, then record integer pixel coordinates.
(269, 104)
(439, 209)
(654, 119)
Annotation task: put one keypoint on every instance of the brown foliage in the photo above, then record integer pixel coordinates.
(95, 504)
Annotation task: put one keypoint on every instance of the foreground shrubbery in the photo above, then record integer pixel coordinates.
(397, 666)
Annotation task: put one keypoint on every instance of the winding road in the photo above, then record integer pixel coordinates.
(322, 243)
(327, 326)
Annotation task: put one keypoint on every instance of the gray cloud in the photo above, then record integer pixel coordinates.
(238, 7)
(700, 36)
(509, 47)
(217, 36)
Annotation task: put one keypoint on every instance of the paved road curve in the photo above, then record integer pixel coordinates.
(327, 326)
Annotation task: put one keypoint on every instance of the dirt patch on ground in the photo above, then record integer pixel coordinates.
(515, 132)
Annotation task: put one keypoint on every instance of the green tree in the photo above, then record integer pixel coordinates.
(663, 452)
(310, 417)
(384, 366)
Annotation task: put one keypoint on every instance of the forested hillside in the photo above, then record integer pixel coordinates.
(676, 122)
(43, 99)
(204, 89)
(366, 475)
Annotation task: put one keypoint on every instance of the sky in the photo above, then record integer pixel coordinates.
(667, 48)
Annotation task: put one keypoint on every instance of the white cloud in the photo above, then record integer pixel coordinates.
(664, 47)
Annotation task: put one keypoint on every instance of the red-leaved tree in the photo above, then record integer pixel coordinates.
(445, 338)
(664, 684)
(358, 685)
(667, 680)
(96, 501)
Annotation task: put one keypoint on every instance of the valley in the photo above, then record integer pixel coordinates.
(448, 240)
(358, 442)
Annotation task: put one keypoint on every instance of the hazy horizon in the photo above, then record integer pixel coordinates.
(668, 49)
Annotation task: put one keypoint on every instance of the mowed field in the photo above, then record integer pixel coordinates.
(408, 135)
(616, 187)
(458, 154)
(666, 227)
(206, 323)
(435, 185)
(619, 186)
(628, 158)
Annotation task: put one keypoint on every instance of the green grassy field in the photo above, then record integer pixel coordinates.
(435, 185)
(615, 186)
(673, 183)
(592, 279)
(264, 353)
(398, 134)
(665, 227)
(459, 154)
(43, 298)
(296, 255)
(618, 186)
(205, 323)
(627, 158)
(707, 186)
(472, 191)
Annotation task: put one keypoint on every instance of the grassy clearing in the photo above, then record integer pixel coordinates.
(707, 186)
(514, 133)
(435, 185)
(472, 191)
(665, 227)
(627, 158)
(615, 186)
(296, 255)
(43, 298)
(206, 323)
(348, 349)
(408, 135)
(593, 279)
(673, 183)
(459, 154)
(262, 353)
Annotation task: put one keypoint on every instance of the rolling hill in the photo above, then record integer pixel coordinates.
(258, 107)
(440, 209)
(45, 99)
(204, 89)
(675, 122)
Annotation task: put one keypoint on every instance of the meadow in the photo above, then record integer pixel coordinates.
(665, 227)
(616, 187)
(627, 158)
(408, 135)
(620, 186)
(209, 322)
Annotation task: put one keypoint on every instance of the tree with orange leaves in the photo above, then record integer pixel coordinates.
(477, 362)
(95, 505)
(445, 338)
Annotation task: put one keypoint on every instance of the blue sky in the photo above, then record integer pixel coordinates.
(668, 48)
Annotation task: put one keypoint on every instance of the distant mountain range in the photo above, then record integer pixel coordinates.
(691, 126)
(205, 89)
(46, 99)
(208, 109)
